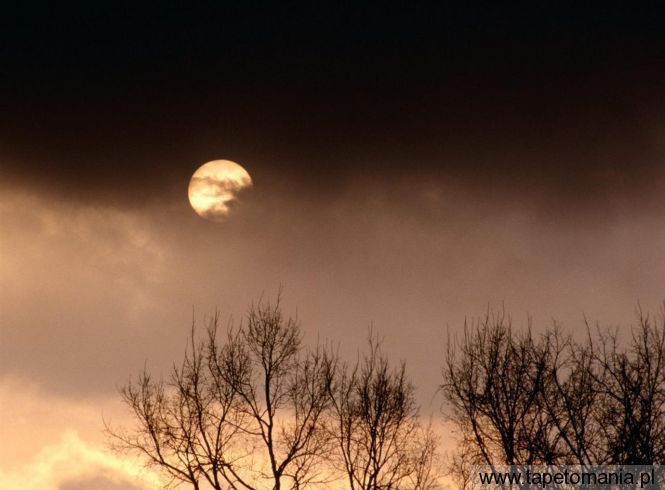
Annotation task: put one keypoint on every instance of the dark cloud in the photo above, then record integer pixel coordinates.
(120, 106)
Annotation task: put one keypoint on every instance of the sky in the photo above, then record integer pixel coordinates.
(412, 165)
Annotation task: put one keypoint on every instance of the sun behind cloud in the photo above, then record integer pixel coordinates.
(214, 186)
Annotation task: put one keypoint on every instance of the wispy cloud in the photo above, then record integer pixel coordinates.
(74, 463)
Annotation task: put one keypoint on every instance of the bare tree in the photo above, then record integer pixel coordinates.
(569, 397)
(380, 442)
(187, 426)
(492, 386)
(552, 401)
(283, 392)
(631, 385)
(236, 414)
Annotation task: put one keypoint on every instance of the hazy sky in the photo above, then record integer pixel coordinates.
(411, 166)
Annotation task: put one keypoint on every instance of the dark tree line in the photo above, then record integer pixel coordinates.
(249, 407)
(523, 399)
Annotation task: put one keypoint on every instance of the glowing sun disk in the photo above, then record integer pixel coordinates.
(214, 187)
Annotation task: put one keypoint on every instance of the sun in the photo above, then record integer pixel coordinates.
(215, 186)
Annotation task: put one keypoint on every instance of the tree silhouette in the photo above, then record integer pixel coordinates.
(249, 407)
(381, 443)
(521, 400)
(282, 391)
(239, 413)
(492, 385)
(631, 393)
